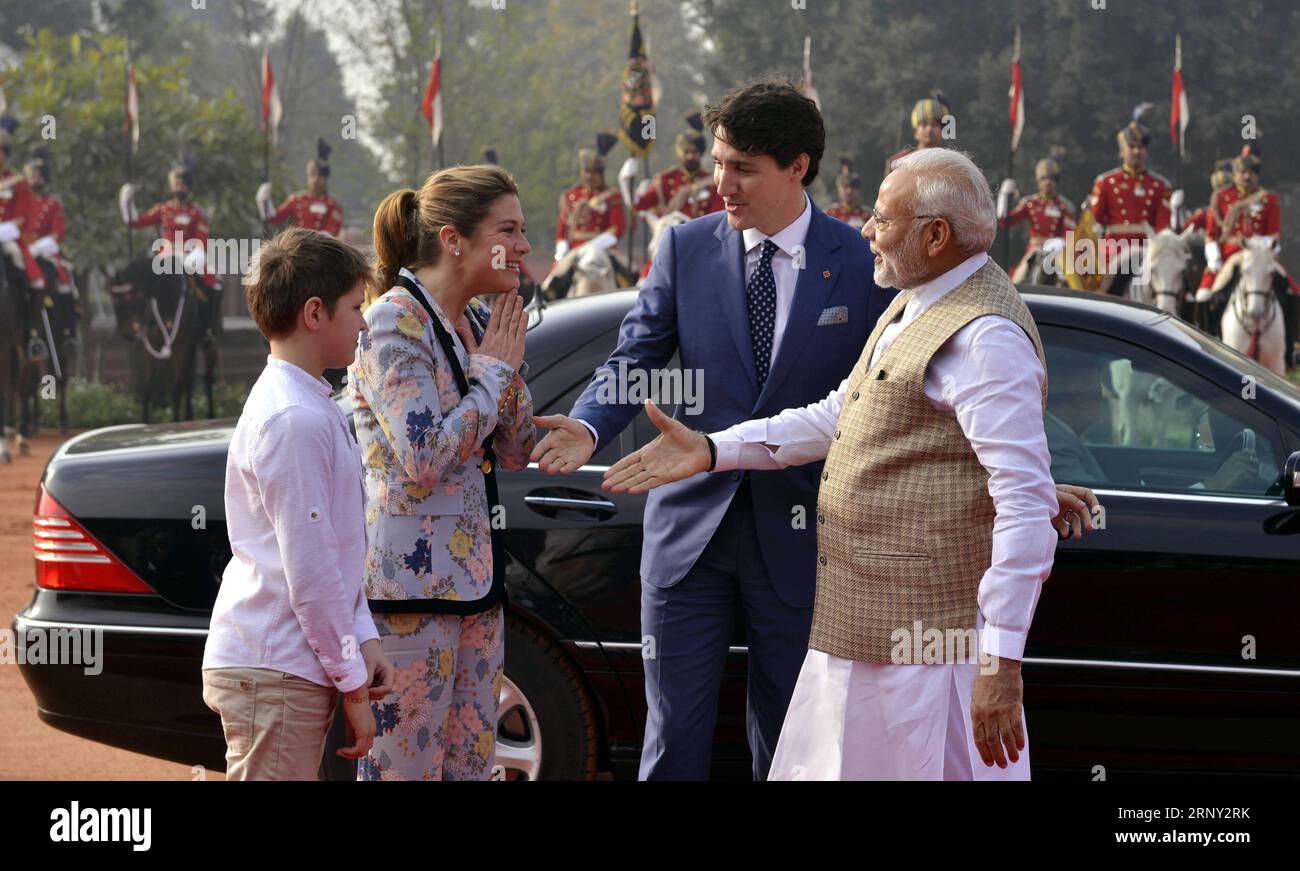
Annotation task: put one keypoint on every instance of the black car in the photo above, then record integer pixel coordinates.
(1162, 644)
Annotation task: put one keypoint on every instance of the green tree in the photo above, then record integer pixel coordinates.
(227, 46)
(70, 94)
(535, 80)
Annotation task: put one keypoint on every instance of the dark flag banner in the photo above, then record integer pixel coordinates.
(638, 96)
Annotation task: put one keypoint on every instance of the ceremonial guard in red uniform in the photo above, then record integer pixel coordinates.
(1130, 201)
(927, 126)
(1199, 220)
(48, 227)
(1240, 211)
(17, 213)
(590, 210)
(17, 208)
(44, 236)
(687, 187)
(313, 208)
(848, 208)
(1050, 215)
(184, 226)
(185, 233)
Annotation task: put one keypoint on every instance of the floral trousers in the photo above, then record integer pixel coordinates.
(440, 721)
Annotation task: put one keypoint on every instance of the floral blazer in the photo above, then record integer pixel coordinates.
(427, 523)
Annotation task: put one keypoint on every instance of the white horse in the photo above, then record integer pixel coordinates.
(1124, 259)
(659, 228)
(585, 270)
(1144, 403)
(1166, 266)
(1252, 322)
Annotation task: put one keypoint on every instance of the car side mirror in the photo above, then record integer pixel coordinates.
(1291, 479)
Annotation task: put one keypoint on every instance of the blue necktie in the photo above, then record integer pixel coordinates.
(761, 302)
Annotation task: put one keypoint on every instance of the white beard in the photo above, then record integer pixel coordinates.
(903, 271)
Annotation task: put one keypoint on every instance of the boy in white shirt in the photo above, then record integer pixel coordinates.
(291, 627)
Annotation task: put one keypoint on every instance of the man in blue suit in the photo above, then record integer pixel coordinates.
(771, 302)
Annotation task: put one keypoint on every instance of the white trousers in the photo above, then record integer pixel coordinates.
(852, 720)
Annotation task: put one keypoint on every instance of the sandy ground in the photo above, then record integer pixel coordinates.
(29, 749)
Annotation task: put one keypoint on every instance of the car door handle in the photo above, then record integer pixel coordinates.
(549, 501)
(566, 502)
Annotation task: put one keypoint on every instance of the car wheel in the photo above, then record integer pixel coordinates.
(546, 727)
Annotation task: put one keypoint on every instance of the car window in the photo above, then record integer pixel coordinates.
(1121, 416)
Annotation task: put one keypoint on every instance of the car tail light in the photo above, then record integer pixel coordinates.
(69, 558)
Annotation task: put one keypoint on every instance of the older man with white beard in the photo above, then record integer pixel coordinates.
(936, 505)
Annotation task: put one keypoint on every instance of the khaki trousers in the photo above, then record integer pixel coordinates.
(274, 723)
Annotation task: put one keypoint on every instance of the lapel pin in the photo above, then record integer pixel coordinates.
(826, 274)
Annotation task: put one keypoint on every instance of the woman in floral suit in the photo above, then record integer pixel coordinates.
(440, 399)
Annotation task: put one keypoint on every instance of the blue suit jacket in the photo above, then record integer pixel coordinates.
(694, 301)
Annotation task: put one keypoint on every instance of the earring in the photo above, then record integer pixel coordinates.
(457, 252)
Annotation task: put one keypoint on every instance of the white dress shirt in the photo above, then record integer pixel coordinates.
(990, 378)
(787, 260)
(292, 598)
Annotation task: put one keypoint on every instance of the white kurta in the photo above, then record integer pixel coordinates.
(881, 721)
(853, 720)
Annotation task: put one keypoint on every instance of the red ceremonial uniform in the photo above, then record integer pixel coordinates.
(1199, 220)
(1123, 201)
(1048, 219)
(184, 219)
(856, 216)
(1262, 217)
(665, 185)
(18, 204)
(48, 220)
(604, 211)
(311, 212)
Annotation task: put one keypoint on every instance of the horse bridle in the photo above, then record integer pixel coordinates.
(1148, 266)
(1240, 298)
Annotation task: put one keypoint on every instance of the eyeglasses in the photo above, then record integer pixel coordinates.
(884, 223)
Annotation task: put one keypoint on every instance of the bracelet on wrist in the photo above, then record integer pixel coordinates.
(713, 451)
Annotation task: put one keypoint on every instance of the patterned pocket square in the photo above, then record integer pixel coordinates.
(836, 315)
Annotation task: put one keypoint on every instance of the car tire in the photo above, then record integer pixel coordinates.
(546, 727)
(547, 724)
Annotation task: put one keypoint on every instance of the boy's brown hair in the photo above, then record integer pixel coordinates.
(295, 266)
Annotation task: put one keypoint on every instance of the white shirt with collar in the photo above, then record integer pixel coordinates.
(292, 597)
(790, 243)
(790, 252)
(989, 377)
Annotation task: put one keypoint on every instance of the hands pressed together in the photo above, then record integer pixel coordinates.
(503, 338)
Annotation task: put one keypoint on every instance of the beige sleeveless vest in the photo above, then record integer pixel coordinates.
(904, 516)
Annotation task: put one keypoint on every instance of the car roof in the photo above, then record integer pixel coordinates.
(571, 323)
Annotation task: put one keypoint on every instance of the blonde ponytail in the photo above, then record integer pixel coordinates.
(407, 222)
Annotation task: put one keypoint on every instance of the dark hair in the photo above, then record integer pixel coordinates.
(295, 266)
(771, 117)
(407, 222)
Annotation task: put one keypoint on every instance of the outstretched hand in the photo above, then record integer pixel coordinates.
(677, 452)
(567, 447)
